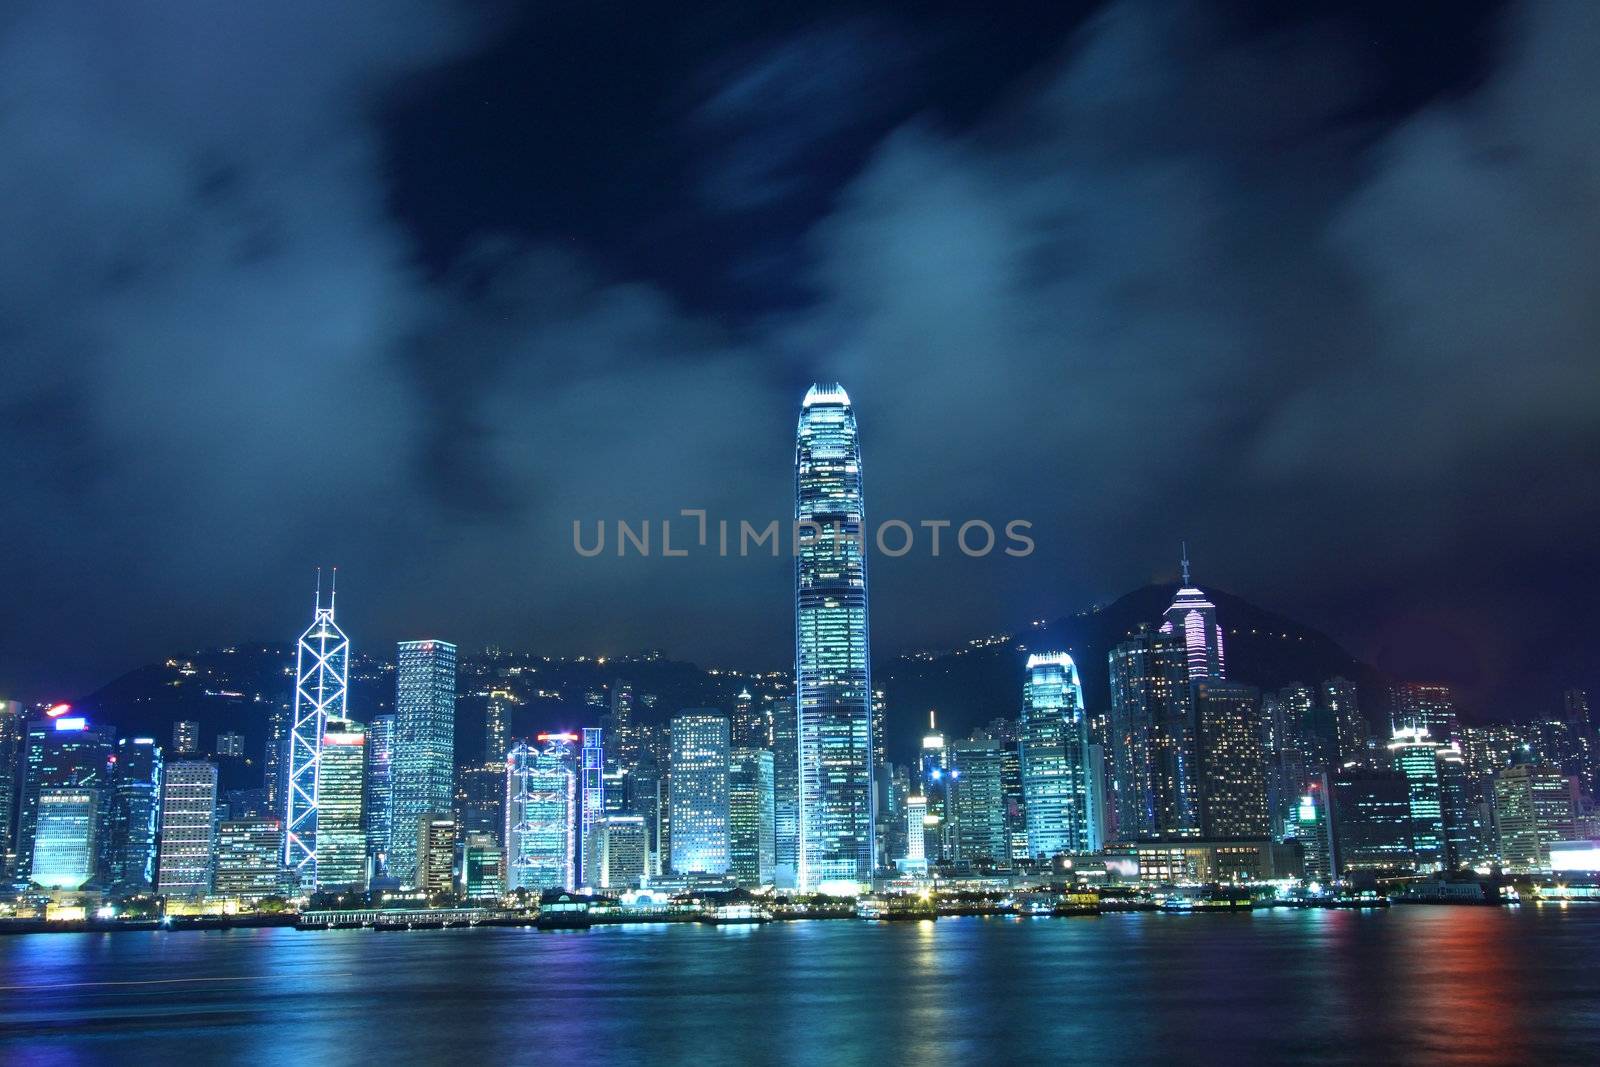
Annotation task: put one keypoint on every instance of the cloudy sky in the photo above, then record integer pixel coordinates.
(410, 287)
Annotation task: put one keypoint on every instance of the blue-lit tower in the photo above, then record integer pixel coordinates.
(833, 688)
(594, 803)
(423, 763)
(322, 672)
(541, 815)
(1059, 800)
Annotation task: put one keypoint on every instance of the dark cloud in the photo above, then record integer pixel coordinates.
(1195, 276)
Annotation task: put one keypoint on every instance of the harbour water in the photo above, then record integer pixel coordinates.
(1453, 985)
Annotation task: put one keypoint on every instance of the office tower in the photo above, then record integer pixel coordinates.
(1153, 739)
(880, 708)
(624, 854)
(1371, 812)
(591, 805)
(230, 745)
(424, 747)
(60, 750)
(496, 725)
(1193, 618)
(1532, 808)
(322, 670)
(1233, 773)
(188, 828)
(379, 803)
(134, 815)
(786, 793)
(752, 812)
(10, 744)
(1468, 818)
(833, 689)
(481, 798)
(893, 786)
(977, 804)
(933, 765)
(916, 857)
(66, 843)
(699, 792)
(622, 746)
(1314, 830)
(1415, 755)
(1286, 747)
(482, 867)
(1058, 796)
(275, 760)
(644, 800)
(341, 785)
(249, 854)
(185, 738)
(1353, 735)
(1429, 707)
(542, 815)
(436, 853)
(752, 722)
(1011, 785)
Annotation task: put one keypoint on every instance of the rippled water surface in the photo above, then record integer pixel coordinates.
(1409, 985)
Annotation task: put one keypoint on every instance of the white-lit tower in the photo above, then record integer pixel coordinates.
(322, 671)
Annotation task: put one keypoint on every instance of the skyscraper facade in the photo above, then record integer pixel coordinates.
(66, 841)
(134, 815)
(188, 828)
(1193, 618)
(61, 749)
(378, 807)
(423, 761)
(322, 673)
(1154, 760)
(341, 837)
(833, 688)
(977, 803)
(436, 853)
(1415, 755)
(249, 855)
(1233, 770)
(591, 805)
(1532, 809)
(496, 724)
(1058, 801)
(699, 792)
(752, 855)
(10, 743)
(541, 815)
(786, 794)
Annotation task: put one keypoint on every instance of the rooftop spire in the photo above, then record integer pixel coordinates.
(1185, 562)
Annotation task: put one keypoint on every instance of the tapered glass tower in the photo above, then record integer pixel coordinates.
(833, 690)
(322, 667)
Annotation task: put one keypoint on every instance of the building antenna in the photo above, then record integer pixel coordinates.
(319, 589)
(1185, 562)
(333, 592)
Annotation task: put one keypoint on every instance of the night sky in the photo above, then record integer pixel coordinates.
(409, 286)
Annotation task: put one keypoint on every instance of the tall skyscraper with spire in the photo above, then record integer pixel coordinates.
(1060, 800)
(322, 671)
(1194, 618)
(833, 687)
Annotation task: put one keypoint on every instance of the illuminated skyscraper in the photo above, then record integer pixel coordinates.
(751, 827)
(1339, 697)
(933, 765)
(1415, 755)
(134, 815)
(916, 857)
(185, 737)
(249, 858)
(482, 861)
(1233, 769)
(341, 839)
(10, 742)
(786, 793)
(1194, 618)
(592, 806)
(436, 853)
(66, 839)
(977, 803)
(61, 749)
(1371, 809)
(833, 688)
(1427, 706)
(1059, 801)
(1154, 758)
(322, 670)
(378, 807)
(699, 792)
(423, 762)
(1532, 808)
(752, 722)
(496, 720)
(623, 852)
(188, 828)
(542, 815)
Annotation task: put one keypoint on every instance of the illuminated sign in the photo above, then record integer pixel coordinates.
(1575, 856)
(72, 722)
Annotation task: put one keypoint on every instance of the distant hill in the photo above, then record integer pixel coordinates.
(973, 684)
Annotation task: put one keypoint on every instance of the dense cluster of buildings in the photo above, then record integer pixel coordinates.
(1185, 775)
